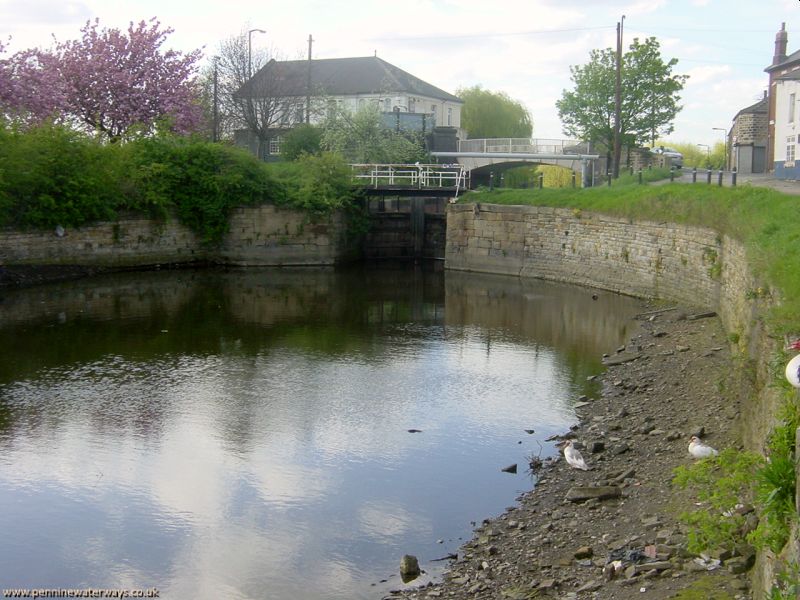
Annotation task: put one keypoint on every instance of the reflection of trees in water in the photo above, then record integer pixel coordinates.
(557, 315)
(146, 319)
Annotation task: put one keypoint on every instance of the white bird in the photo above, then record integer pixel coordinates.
(700, 450)
(574, 457)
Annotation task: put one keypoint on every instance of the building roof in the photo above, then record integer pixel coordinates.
(794, 57)
(343, 77)
(759, 107)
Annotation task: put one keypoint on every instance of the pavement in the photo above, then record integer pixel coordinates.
(787, 186)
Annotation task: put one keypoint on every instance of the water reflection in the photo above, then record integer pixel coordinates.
(245, 434)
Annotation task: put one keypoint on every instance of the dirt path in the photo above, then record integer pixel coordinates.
(673, 379)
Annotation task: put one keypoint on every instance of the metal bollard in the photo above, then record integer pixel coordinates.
(573, 179)
(502, 179)
(640, 177)
(609, 179)
(491, 180)
(733, 177)
(694, 175)
(719, 178)
(541, 181)
(671, 175)
(708, 176)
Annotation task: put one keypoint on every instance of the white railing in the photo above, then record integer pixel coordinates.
(523, 146)
(411, 176)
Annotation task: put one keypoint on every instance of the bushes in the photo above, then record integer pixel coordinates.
(201, 181)
(51, 176)
(54, 176)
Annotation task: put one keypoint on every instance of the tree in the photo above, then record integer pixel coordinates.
(262, 104)
(303, 139)
(650, 95)
(110, 82)
(488, 114)
(362, 137)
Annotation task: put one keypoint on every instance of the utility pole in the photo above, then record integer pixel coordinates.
(618, 101)
(308, 82)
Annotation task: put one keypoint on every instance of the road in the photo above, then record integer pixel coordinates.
(760, 180)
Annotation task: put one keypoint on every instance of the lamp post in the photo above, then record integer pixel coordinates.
(725, 143)
(250, 50)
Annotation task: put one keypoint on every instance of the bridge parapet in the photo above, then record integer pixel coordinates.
(523, 146)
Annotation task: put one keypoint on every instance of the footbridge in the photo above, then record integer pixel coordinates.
(477, 154)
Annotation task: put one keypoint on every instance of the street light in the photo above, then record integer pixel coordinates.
(725, 142)
(250, 51)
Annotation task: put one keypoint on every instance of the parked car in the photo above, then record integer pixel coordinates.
(676, 158)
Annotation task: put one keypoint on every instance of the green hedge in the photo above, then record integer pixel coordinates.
(53, 176)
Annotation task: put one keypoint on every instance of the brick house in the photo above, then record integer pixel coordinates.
(747, 138)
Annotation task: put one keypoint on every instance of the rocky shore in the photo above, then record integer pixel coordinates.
(673, 379)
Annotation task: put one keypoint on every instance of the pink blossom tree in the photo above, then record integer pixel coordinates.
(109, 81)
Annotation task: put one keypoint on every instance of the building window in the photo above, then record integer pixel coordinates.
(299, 113)
(275, 145)
(449, 116)
(387, 105)
(790, 149)
(791, 107)
(412, 105)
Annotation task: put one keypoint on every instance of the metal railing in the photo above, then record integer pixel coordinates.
(524, 146)
(413, 176)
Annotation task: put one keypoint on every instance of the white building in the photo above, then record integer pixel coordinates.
(787, 126)
(348, 83)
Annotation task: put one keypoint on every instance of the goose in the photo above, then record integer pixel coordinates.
(574, 457)
(700, 450)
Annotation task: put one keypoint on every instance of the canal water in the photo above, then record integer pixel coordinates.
(274, 433)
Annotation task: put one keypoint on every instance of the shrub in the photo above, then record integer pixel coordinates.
(54, 176)
(303, 139)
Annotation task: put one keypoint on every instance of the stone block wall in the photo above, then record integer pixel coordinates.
(262, 235)
(691, 265)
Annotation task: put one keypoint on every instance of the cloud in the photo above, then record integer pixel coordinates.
(44, 12)
(702, 74)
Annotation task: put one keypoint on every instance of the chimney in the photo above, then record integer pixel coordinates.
(780, 45)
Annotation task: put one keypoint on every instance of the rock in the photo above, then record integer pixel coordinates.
(702, 315)
(621, 359)
(596, 446)
(591, 586)
(409, 568)
(620, 448)
(415, 431)
(584, 552)
(547, 584)
(740, 564)
(510, 468)
(583, 493)
(682, 348)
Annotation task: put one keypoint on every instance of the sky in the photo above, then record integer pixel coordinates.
(521, 47)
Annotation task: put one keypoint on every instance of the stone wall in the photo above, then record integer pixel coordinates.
(262, 235)
(692, 265)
